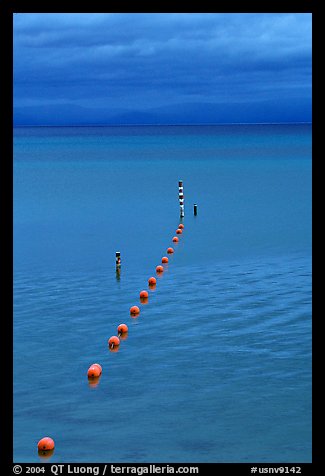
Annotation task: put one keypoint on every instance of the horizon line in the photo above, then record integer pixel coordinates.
(163, 124)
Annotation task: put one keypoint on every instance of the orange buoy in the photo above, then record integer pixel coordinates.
(164, 259)
(94, 371)
(45, 444)
(170, 250)
(99, 366)
(113, 341)
(134, 310)
(144, 297)
(178, 231)
(181, 226)
(159, 269)
(175, 239)
(122, 329)
(152, 281)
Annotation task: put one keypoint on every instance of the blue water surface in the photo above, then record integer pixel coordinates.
(217, 367)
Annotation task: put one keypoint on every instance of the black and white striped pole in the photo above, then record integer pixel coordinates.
(118, 259)
(118, 265)
(181, 197)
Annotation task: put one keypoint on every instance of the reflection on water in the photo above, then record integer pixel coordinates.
(45, 455)
(93, 382)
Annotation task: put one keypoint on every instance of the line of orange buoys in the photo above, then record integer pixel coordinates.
(46, 445)
(122, 330)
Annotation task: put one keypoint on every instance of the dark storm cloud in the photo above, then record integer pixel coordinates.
(144, 61)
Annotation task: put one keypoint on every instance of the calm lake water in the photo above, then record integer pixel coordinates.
(217, 367)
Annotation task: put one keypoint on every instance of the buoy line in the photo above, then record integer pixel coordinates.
(95, 370)
(46, 444)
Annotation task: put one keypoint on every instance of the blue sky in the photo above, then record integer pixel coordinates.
(110, 68)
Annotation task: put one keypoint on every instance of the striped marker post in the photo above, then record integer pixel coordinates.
(181, 197)
(118, 265)
(118, 259)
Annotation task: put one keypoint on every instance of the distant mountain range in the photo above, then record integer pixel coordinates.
(259, 112)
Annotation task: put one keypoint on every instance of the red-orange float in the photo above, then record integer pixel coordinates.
(152, 281)
(181, 226)
(175, 239)
(179, 231)
(159, 269)
(164, 259)
(113, 341)
(134, 311)
(144, 295)
(45, 444)
(99, 366)
(94, 371)
(170, 250)
(122, 329)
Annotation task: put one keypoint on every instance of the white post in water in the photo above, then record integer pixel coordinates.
(181, 197)
(195, 209)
